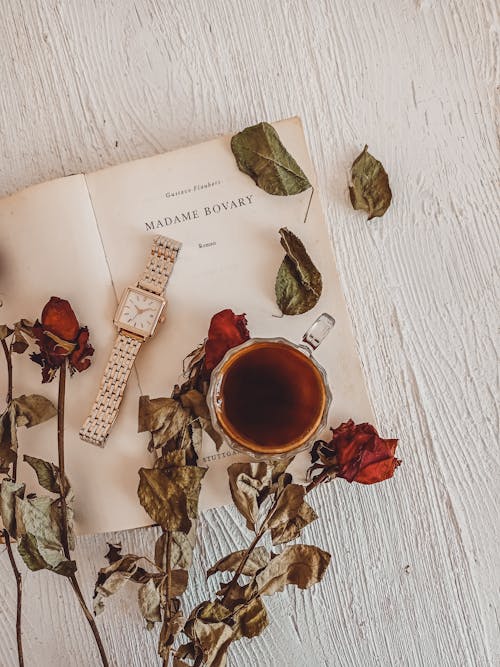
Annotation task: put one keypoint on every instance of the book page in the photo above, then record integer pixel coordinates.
(50, 246)
(230, 255)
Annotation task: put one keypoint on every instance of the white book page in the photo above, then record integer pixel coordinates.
(229, 259)
(50, 246)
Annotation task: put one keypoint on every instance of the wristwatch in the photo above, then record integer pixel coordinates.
(138, 314)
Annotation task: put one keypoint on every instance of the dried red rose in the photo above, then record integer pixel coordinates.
(357, 453)
(226, 330)
(59, 337)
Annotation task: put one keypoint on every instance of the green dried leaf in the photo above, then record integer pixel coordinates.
(370, 189)
(164, 417)
(48, 474)
(290, 529)
(38, 557)
(149, 603)
(5, 331)
(298, 283)
(8, 439)
(249, 484)
(194, 401)
(260, 154)
(33, 409)
(9, 491)
(300, 564)
(258, 559)
(163, 500)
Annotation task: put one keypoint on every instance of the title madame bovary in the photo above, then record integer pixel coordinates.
(197, 213)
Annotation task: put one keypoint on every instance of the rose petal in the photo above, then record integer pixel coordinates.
(59, 318)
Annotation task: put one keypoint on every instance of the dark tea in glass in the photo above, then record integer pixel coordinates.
(271, 397)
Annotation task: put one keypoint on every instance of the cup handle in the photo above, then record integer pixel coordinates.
(317, 332)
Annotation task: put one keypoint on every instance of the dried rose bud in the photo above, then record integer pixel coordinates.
(226, 330)
(59, 337)
(357, 453)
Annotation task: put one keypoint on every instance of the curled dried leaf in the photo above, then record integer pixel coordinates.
(5, 331)
(164, 417)
(196, 402)
(370, 189)
(298, 283)
(287, 505)
(249, 484)
(291, 528)
(260, 154)
(149, 603)
(48, 474)
(39, 557)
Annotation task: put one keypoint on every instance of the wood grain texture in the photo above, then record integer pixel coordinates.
(415, 573)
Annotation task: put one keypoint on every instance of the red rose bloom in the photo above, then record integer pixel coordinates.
(226, 330)
(357, 453)
(59, 337)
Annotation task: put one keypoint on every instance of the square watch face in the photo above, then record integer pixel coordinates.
(139, 311)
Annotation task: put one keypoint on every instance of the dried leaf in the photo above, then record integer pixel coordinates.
(164, 417)
(196, 402)
(291, 529)
(181, 549)
(300, 564)
(235, 595)
(258, 559)
(298, 283)
(8, 439)
(9, 491)
(260, 154)
(149, 602)
(168, 633)
(38, 557)
(48, 474)
(112, 578)
(163, 500)
(250, 619)
(370, 189)
(213, 640)
(287, 505)
(5, 331)
(33, 409)
(249, 484)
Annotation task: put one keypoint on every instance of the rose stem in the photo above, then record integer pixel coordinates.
(6, 536)
(168, 558)
(64, 511)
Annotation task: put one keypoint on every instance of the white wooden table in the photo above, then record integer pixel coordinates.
(415, 573)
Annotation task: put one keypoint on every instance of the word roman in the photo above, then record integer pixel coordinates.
(195, 214)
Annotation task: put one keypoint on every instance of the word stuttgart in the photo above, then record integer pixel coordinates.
(196, 214)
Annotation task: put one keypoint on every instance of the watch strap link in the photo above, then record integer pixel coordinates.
(105, 409)
(155, 276)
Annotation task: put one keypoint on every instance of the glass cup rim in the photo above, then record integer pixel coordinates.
(216, 378)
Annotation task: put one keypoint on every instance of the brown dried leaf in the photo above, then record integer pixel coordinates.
(214, 640)
(149, 603)
(260, 154)
(249, 484)
(8, 439)
(196, 402)
(298, 283)
(5, 331)
(38, 557)
(164, 417)
(48, 474)
(300, 564)
(163, 500)
(291, 529)
(258, 559)
(168, 633)
(33, 409)
(9, 491)
(287, 505)
(113, 577)
(370, 189)
(250, 619)
(181, 549)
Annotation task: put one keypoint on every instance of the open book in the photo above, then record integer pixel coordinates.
(85, 238)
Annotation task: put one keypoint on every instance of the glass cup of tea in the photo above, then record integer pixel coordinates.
(269, 398)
